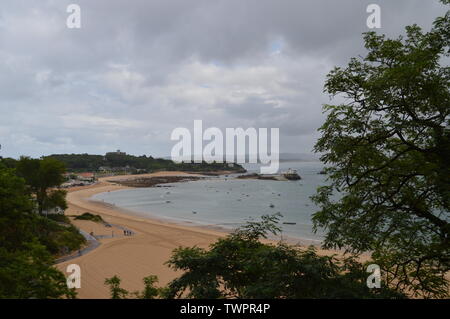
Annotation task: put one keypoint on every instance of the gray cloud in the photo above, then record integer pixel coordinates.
(138, 69)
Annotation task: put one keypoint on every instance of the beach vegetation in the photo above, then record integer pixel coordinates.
(91, 217)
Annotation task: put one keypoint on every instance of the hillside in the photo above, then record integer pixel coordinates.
(119, 161)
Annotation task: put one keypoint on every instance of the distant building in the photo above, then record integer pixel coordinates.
(118, 152)
(53, 211)
(86, 175)
(79, 179)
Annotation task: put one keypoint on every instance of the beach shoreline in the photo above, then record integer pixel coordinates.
(131, 257)
(83, 198)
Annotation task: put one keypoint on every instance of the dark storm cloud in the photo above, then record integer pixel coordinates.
(138, 69)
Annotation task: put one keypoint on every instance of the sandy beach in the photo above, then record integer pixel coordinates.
(130, 257)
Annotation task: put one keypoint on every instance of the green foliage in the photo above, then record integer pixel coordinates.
(19, 224)
(15, 211)
(86, 162)
(91, 217)
(42, 176)
(81, 162)
(241, 266)
(59, 239)
(253, 230)
(387, 149)
(60, 218)
(26, 274)
(8, 162)
(114, 286)
(149, 292)
(27, 242)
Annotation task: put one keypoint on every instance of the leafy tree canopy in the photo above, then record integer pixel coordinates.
(387, 149)
(87, 162)
(42, 177)
(241, 266)
(27, 244)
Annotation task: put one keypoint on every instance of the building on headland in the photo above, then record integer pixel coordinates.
(118, 152)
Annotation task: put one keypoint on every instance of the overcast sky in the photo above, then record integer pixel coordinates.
(137, 69)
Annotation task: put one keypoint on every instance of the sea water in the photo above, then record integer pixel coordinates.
(228, 203)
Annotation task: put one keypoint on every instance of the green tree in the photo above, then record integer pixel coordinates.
(25, 261)
(387, 151)
(26, 274)
(241, 266)
(8, 162)
(114, 286)
(43, 176)
(15, 211)
(150, 291)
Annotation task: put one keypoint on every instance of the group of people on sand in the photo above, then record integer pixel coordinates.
(127, 233)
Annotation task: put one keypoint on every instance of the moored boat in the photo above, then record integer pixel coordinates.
(292, 175)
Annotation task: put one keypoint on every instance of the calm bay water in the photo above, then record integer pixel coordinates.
(226, 202)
